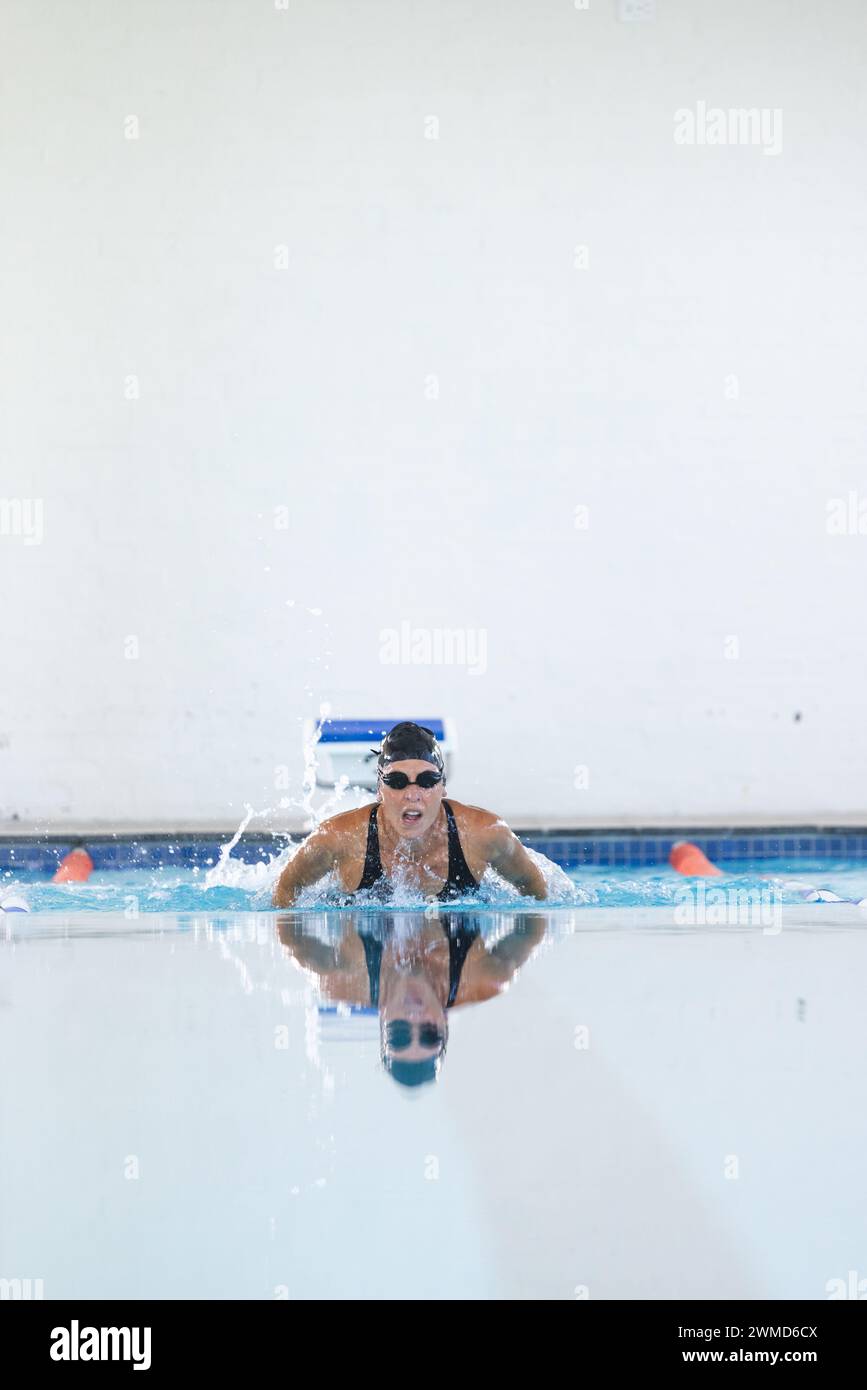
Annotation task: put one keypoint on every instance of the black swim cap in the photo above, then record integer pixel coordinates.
(407, 742)
(418, 1073)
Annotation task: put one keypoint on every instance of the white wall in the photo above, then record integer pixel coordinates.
(308, 388)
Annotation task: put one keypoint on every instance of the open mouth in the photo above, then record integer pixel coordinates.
(411, 817)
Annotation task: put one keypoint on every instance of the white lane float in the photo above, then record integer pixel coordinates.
(11, 901)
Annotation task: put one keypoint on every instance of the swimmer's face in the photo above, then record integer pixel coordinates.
(413, 1023)
(412, 810)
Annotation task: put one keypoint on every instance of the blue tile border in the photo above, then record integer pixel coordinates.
(645, 850)
(138, 852)
(572, 850)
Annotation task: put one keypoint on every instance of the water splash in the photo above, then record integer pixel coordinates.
(235, 886)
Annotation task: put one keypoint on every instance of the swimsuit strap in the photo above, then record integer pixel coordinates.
(373, 957)
(460, 940)
(372, 862)
(460, 880)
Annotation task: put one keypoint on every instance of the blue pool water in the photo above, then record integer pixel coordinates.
(650, 1105)
(641, 1113)
(237, 886)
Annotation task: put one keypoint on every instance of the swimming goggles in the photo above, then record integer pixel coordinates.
(398, 1035)
(398, 780)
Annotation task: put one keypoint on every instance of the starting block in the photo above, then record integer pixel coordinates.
(343, 747)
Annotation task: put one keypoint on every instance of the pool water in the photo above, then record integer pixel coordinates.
(659, 1102)
(233, 885)
(645, 1111)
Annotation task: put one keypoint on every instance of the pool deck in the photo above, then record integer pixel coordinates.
(768, 823)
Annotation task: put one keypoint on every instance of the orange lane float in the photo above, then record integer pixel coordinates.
(688, 859)
(75, 867)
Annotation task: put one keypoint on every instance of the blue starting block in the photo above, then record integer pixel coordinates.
(343, 747)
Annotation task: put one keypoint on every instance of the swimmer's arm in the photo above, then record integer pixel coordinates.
(309, 951)
(504, 959)
(521, 941)
(507, 855)
(312, 861)
(490, 972)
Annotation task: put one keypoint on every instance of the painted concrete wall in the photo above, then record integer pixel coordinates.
(329, 322)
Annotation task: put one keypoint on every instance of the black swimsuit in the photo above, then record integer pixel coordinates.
(460, 939)
(458, 882)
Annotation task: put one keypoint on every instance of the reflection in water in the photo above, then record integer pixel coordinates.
(411, 968)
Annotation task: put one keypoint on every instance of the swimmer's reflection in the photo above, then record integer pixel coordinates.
(413, 968)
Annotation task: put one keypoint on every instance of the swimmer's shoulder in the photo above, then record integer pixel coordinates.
(479, 823)
(343, 830)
